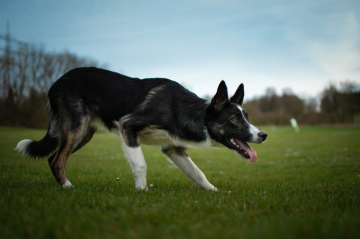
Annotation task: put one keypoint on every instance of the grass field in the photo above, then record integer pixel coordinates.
(304, 185)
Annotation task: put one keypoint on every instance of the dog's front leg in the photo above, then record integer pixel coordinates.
(138, 165)
(179, 156)
(134, 154)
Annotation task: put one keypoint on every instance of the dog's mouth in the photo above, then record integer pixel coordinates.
(243, 149)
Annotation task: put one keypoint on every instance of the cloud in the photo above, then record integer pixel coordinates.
(337, 52)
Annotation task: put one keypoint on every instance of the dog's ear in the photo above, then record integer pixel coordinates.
(221, 97)
(238, 97)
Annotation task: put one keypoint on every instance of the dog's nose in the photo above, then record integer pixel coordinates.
(263, 135)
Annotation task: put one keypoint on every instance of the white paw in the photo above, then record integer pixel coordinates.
(209, 187)
(141, 187)
(67, 184)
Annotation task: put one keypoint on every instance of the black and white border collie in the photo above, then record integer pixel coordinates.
(153, 111)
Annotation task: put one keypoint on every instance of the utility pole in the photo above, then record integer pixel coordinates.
(7, 77)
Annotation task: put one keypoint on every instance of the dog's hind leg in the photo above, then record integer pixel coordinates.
(71, 138)
(87, 137)
(179, 156)
(57, 162)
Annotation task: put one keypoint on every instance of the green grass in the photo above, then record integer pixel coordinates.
(304, 185)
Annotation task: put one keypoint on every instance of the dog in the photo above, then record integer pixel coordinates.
(154, 111)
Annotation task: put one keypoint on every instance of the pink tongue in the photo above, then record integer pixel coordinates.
(252, 153)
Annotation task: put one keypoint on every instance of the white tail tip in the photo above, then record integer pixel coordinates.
(22, 145)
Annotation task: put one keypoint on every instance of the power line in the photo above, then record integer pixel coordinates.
(12, 40)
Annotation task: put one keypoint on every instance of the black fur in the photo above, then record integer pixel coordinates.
(238, 97)
(110, 96)
(42, 148)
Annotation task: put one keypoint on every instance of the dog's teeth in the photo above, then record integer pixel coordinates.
(232, 141)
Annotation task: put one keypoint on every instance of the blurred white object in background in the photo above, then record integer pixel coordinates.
(294, 125)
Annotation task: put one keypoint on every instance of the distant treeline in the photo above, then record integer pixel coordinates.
(28, 72)
(334, 106)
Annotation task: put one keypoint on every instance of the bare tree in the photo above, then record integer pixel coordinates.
(269, 102)
(291, 104)
(32, 71)
(350, 99)
(341, 104)
(310, 105)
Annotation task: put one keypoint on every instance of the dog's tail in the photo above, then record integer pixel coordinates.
(38, 149)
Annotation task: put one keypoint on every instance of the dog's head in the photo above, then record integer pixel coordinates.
(228, 123)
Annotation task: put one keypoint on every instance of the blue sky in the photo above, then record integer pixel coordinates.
(302, 45)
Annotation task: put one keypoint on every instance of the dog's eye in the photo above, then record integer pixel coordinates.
(236, 119)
